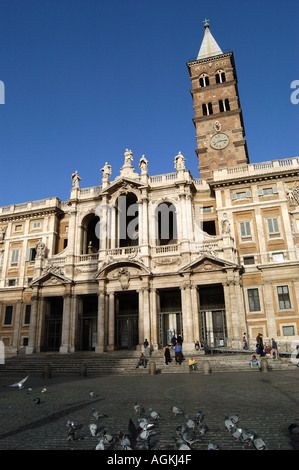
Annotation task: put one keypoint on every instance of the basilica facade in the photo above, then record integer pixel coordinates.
(151, 256)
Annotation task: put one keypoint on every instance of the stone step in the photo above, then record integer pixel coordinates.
(125, 362)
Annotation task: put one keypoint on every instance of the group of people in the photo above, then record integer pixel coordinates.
(260, 348)
(177, 345)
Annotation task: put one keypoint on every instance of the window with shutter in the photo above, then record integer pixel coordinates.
(245, 229)
(283, 297)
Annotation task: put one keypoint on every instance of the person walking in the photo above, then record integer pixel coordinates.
(245, 344)
(167, 357)
(178, 353)
(274, 349)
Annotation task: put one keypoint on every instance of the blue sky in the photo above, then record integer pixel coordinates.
(86, 79)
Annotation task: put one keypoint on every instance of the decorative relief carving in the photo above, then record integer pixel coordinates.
(123, 276)
(293, 194)
(167, 260)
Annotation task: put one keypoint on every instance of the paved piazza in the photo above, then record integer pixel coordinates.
(266, 404)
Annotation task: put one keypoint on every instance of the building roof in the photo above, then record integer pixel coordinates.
(209, 46)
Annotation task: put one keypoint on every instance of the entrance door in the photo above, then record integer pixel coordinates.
(89, 333)
(170, 324)
(213, 328)
(126, 320)
(53, 334)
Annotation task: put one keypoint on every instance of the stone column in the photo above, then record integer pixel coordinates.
(269, 309)
(187, 317)
(111, 322)
(31, 348)
(195, 314)
(153, 318)
(66, 323)
(73, 322)
(228, 313)
(101, 322)
(18, 319)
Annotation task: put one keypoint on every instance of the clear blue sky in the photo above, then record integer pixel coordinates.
(86, 79)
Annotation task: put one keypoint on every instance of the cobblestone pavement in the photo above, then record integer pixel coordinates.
(266, 403)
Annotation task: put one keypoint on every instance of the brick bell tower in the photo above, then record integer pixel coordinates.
(218, 115)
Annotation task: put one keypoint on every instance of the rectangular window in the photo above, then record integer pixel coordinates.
(207, 209)
(8, 315)
(288, 331)
(248, 260)
(30, 254)
(11, 282)
(253, 300)
(273, 226)
(27, 315)
(283, 297)
(14, 257)
(245, 229)
(36, 225)
(278, 257)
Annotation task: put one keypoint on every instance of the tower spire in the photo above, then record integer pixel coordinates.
(209, 46)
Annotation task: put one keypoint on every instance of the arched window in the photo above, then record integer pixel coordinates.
(207, 109)
(220, 76)
(90, 242)
(204, 80)
(166, 224)
(224, 106)
(127, 223)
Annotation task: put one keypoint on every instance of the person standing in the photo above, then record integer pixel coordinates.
(260, 344)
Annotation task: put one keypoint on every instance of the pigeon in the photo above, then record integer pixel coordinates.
(138, 409)
(259, 444)
(97, 414)
(189, 437)
(124, 440)
(37, 401)
(202, 429)
(107, 438)
(176, 411)
(20, 384)
(92, 394)
(234, 419)
(144, 424)
(29, 390)
(182, 446)
(191, 424)
(229, 424)
(145, 434)
(70, 424)
(198, 417)
(44, 389)
(100, 445)
(153, 414)
(237, 433)
(212, 446)
(93, 429)
(247, 438)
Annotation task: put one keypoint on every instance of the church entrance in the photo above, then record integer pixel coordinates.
(126, 320)
(212, 316)
(89, 317)
(170, 316)
(53, 324)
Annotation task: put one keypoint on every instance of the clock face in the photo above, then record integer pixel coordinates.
(219, 141)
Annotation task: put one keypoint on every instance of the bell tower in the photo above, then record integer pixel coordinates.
(218, 115)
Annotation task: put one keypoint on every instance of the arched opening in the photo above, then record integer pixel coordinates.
(220, 76)
(166, 224)
(90, 242)
(207, 109)
(128, 219)
(204, 80)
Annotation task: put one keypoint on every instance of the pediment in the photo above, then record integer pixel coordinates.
(123, 183)
(50, 279)
(110, 270)
(208, 263)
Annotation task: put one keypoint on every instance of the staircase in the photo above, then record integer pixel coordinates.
(124, 362)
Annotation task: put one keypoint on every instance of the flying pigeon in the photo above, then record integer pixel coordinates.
(202, 429)
(144, 424)
(93, 429)
(189, 437)
(20, 384)
(145, 434)
(191, 424)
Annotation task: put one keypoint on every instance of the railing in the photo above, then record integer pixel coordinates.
(256, 168)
